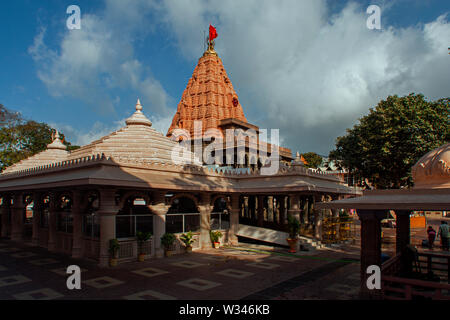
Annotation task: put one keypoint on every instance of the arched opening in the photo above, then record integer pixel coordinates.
(90, 219)
(28, 217)
(64, 218)
(183, 216)
(220, 217)
(134, 216)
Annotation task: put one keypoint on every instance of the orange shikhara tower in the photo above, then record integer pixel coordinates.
(209, 97)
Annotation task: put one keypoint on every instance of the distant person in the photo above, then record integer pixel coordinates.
(445, 235)
(431, 236)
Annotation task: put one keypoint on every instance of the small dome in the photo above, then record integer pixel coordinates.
(432, 171)
(138, 117)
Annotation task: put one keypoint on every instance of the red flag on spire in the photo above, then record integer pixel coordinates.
(212, 33)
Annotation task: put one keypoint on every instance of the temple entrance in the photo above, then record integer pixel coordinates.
(183, 216)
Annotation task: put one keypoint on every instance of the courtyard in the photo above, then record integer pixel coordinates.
(243, 272)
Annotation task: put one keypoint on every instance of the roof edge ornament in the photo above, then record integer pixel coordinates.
(298, 160)
(138, 117)
(56, 143)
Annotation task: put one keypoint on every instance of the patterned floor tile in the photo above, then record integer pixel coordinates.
(24, 254)
(187, 264)
(40, 294)
(198, 284)
(214, 258)
(13, 280)
(8, 250)
(42, 262)
(149, 295)
(103, 282)
(342, 288)
(63, 271)
(234, 273)
(150, 272)
(263, 265)
(284, 258)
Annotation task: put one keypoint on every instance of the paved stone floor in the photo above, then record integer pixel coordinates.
(232, 273)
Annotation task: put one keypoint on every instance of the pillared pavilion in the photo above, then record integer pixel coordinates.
(131, 180)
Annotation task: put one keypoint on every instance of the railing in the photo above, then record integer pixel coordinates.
(391, 266)
(220, 221)
(128, 249)
(394, 287)
(336, 229)
(436, 264)
(182, 222)
(128, 224)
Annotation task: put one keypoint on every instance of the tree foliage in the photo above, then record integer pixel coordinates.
(313, 160)
(20, 138)
(386, 143)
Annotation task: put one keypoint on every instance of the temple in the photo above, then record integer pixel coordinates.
(210, 99)
(137, 179)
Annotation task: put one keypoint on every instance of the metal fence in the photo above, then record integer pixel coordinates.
(182, 222)
(220, 220)
(128, 225)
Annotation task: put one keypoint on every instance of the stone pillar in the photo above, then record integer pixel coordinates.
(282, 213)
(318, 218)
(205, 220)
(234, 219)
(260, 211)
(78, 206)
(335, 215)
(251, 207)
(370, 244)
(294, 206)
(305, 210)
(17, 221)
(6, 223)
(37, 211)
(402, 234)
(402, 230)
(159, 210)
(246, 208)
(52, 215)
(107, 213)
(270, 210)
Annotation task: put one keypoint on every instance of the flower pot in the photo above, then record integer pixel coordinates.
(141, 257)
(112, 262)
(169, 253)
(216, 245)
(188, 249)
(292, 245)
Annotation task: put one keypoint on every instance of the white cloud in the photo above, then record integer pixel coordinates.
(295, 66)
(98, 58)
(310, 74)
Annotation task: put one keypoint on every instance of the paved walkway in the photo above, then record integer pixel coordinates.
(231, 273)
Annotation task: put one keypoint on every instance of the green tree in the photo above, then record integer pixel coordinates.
(313, 160)
(386, 143)
(20, 139)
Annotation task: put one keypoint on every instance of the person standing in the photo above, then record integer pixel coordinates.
(445, 235)
(431, 236)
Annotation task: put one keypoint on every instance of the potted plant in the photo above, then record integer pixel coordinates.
(188, 239)
(215, 238)
(167, 241)
(141, 238)
(113, 251)
(294, 227)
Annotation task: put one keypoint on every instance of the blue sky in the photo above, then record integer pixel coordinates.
(309, 68)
